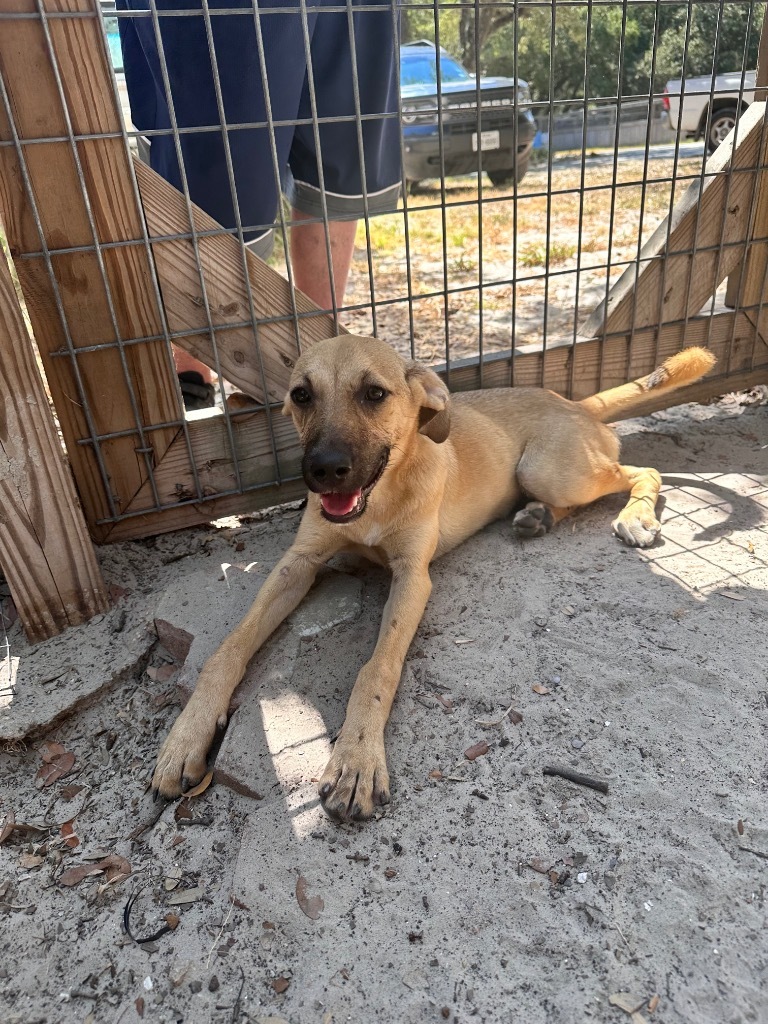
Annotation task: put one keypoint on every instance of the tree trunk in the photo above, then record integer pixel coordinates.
(467, 26)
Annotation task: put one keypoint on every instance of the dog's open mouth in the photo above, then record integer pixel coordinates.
(344, 508)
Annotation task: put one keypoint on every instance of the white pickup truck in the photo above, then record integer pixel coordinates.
(710, 104)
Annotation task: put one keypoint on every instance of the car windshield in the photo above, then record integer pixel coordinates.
(421, 68)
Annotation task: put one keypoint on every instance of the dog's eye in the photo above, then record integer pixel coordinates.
(375, 394)
(301, 396)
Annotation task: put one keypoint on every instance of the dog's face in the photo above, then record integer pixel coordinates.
(358, 407)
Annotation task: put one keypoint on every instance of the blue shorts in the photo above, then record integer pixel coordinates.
(323, 174)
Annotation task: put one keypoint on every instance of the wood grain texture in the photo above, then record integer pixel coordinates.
(753, 277)
(670, 281)
(64, 213)
(242, 352)
(46, 554)
(599, 363)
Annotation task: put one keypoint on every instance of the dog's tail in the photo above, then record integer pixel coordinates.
(683, 368)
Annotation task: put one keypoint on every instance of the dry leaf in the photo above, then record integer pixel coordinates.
(139, 1004)
(73, 876)
(465, 640)
(310, 905)
(435, 774)
(185, 896)
(390, 873)
(115, 868)
(569, 610)
(70, 792)
(739, 828)
(172, 920)
(733, 594)
(200, 787)
(626, 1001)
(172, 879)
(162, 674)
(280, 984)
(57, 762)
(653, 1002)
(476, 751)
(182, 811)
(9, 823)
(69, 835)
(541, 688)
(30, 860)
(515, 717)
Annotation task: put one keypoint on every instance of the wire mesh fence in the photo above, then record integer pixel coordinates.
(517, 192)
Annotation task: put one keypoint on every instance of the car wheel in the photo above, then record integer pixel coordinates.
(720, 124)
(412, 186)
(507, 175)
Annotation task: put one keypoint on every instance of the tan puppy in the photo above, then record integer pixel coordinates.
(399, 472)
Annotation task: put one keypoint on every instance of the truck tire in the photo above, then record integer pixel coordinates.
(507, 176)
(719, 125)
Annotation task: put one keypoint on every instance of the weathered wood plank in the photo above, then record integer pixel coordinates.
(753, 277)
(52, 168)
(700, 219)
(606, 363)
(46, 554)
(241, 353)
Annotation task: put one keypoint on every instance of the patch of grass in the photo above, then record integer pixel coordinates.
(534, 254)
(462, 265)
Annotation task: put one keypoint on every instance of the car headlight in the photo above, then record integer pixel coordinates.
(419, 113)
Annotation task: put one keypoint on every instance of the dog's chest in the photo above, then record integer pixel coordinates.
(373, 536)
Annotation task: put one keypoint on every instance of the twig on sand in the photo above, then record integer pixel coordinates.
(577, 777)
(152, 819)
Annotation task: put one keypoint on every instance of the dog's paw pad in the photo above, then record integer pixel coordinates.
(534, 520)
(637, 532)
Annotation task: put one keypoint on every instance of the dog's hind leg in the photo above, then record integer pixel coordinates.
(584, 478)
(637, 524)
(536, 519)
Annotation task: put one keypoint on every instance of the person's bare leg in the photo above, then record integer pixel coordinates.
(309, 258)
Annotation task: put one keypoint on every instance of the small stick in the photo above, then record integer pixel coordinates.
(577, 777)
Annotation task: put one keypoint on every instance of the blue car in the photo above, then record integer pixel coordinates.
(503, 132)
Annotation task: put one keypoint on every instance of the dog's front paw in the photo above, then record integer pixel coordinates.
(639, 531)
(182, 761)
(355, 780)
(534, 520)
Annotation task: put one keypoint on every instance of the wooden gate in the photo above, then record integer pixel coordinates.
(115, 265)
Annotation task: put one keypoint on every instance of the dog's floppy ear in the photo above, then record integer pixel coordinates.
(431, 392)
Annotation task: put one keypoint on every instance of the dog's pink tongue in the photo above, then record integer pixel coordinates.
(340, 504)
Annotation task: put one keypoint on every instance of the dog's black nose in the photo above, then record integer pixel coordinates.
(329, 467)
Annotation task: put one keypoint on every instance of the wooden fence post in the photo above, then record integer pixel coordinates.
(46, 555)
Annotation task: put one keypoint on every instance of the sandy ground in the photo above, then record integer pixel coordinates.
(486, 891)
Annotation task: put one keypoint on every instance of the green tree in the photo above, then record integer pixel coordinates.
(718, 41)
(590, 51)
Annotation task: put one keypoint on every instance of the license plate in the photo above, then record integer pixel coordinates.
(487, 140)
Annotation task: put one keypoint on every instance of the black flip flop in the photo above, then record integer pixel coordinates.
(195, 392)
